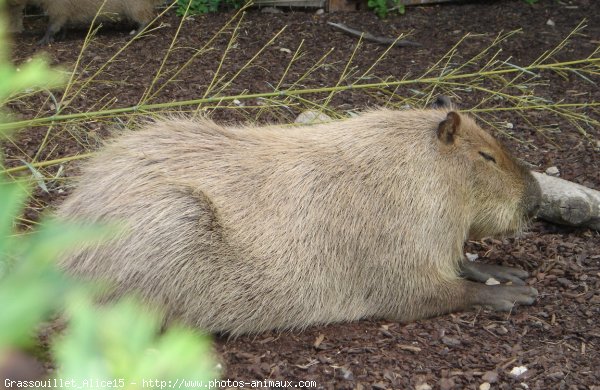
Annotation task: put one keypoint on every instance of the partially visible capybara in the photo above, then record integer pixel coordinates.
(61, 12)
(14, 12)
(244, 229)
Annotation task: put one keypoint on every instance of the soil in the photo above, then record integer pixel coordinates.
(557, 339)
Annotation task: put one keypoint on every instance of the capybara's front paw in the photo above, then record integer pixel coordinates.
(479, 272)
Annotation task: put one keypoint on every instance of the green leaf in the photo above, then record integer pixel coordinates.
(180, 353)
(12, 198)
(37, 175)
(101, 343)
(34, 74)
(98, 347)
(26, 300)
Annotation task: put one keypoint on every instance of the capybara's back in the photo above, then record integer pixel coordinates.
(253, 228)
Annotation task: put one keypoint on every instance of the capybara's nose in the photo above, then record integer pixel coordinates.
(532, 212)
(533, 199)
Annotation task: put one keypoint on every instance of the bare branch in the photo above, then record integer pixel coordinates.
(370, 37)
(568, 203)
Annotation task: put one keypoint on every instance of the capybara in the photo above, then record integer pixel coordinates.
(14, 12)
(245, 229)
(61, 12)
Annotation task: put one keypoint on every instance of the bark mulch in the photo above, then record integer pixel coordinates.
(557, 339)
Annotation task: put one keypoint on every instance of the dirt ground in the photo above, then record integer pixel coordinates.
(557, 339)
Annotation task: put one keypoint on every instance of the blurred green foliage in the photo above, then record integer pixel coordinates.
(196, 7)
(120, 341)
(384, 7)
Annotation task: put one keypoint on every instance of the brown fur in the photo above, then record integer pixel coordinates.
(254, 228)
(61, 12)
(15, 10)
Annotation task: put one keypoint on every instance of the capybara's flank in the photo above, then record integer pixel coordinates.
(62, 12)
(253, 228)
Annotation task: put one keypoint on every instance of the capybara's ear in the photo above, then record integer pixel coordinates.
(442, 102)
(448, 128)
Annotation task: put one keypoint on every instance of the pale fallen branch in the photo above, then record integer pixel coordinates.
(568, 203)
(370, 37)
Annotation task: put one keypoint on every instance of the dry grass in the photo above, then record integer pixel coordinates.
(506, 87)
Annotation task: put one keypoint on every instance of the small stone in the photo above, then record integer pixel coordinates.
(320, 11)
(492, 282)
(553, 171)
(550, 23)
(423, 386)
(311, 116)
(472, 256)
(518, 371)
(451, 341)
(347, 374)
(490, 376)
(485, 386)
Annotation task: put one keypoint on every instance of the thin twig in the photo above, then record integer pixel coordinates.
(370, 37)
